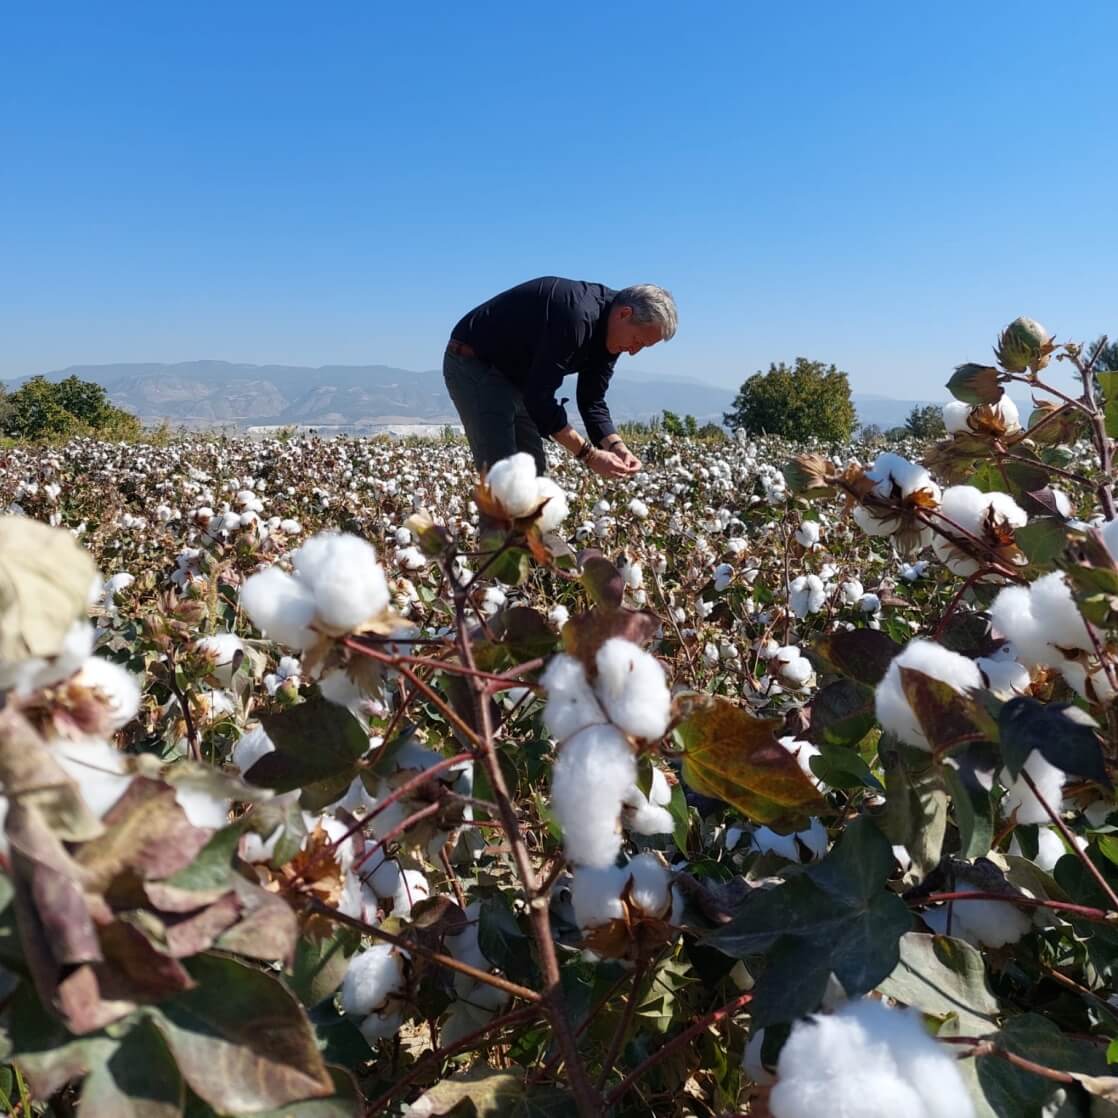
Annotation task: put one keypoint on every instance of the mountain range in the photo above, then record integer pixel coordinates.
(220, 393)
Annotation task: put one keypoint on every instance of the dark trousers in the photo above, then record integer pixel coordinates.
(492, 411)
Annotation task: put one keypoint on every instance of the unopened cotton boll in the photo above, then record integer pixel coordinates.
(632, 689)
(592, 774)
(866, 1061)
(512, 481)
(1049, 781)
(281, 607)
(224, 648)
(371, 978)
(893, 710)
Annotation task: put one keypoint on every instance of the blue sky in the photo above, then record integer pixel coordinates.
(882, 185)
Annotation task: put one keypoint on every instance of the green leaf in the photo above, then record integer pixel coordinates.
(213, 865)
(511, 567)
(315, 741)
(861, 654)
(1055, 731)
(681, 818)
(841, 767)
(603, 581)
(1108, 382)
(1042, 540)
(320, 964)
(503, 942)
(139, 1080)
(842, 713)
(915, 804)
(735, 757)
(346, 1101)
(839, 915)
(482, 1092)
(240, 1039)
(944, 978)
(974, 813)
(975, 384)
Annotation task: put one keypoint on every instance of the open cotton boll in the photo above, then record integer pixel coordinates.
(1050, 848)
(224, 649)
(381, 1026)
(116, 687)
(466, 946)
(806, 594)
(649, 815)
(1004, 678)
(202, 807)
(851, 592)
(513, 483)
(866, 1061)
(555, 511)
(412, 889)
(632, 689)
(803, 751)
(596, 895)
(348, 583)
(955, 414)
(988, 516)
(650, 890)
(1041, 619)
(891, 470)
(893, 710)
(1019, 797)
(558, 616)
(371, 978)
(99, 771)
(25, 676)
(807, 535)
(982, 923)
(592, 774)
(251, 747)
(281, 607)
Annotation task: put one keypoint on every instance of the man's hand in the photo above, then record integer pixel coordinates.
(628, 459)
(605, 464)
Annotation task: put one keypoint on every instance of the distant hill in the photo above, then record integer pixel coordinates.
(209, 393)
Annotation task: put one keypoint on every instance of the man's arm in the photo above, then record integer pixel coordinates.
(592, 406)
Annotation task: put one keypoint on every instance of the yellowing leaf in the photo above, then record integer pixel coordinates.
(45, 579)
(736, 758)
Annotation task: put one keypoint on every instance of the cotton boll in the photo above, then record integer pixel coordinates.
(513, 483)
(384, 876)
(596, 895)
(893, 710)
(371, 978)
(381, 1026)
(556, 510)
(202, 808)
(254, 745)
(1050, 848)
(592, 774)
(803, 751)
(650, 891)
(851, 592)
(1019, 797)
(806, 594)
(866, 1061)
(571, 705)
(558, 616)
(25, 676)
(282, 608)
(632, 689)
(955, 414)
(1004, 678)
(807, 535)
(802, 846)
(412, 889)
(649, 815)
(638, 509)
(980, 922)
(116, 687)
(99, 771)
(348, 583)
(224, 649)
(977, 513)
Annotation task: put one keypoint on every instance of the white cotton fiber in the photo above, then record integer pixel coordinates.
(251, 748)
(1050, 849)
(282, 608)
(348, 583)
(802, 846)
(649, 815)
(571, 705)
(893, 710)
(201, 806)
(982, 923)
(866, 1061)
(381, 1026)
(97, 768)
(412, 889)
(596, 895)
(955, 414)
(371, 978)
(1004, 678)
(512, 481)
(223, 648)
(594, 770)
(555, 511)
(632, 689)
(650, 891)
(117, 688)
(1019, 797)
(1057, 614)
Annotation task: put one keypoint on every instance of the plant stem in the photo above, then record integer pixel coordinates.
(618, 1038)
(1084, 912)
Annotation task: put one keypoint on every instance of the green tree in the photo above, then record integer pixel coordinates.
(925, 421)
(804, 401)
(690, 425)
(39, 409)
(672, 424)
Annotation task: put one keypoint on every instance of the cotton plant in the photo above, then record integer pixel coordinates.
(374, 990)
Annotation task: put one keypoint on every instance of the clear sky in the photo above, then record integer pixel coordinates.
(882, 185)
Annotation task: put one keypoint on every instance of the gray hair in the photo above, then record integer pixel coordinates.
(650, 304)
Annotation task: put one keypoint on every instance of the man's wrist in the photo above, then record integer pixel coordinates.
(583, 451)
(610, 441)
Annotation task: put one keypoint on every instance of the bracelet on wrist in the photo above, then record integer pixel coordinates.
(584, 451)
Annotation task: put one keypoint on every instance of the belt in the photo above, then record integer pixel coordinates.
(460, 349)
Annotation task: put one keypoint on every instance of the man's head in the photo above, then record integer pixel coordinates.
(640, 316)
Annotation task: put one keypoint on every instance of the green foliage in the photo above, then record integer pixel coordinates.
(808, 400)
(40, 409)
(925, 421)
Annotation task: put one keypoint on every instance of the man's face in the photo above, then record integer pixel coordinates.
(623, 335)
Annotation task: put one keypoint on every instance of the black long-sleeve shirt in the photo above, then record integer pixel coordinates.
(541, 331)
